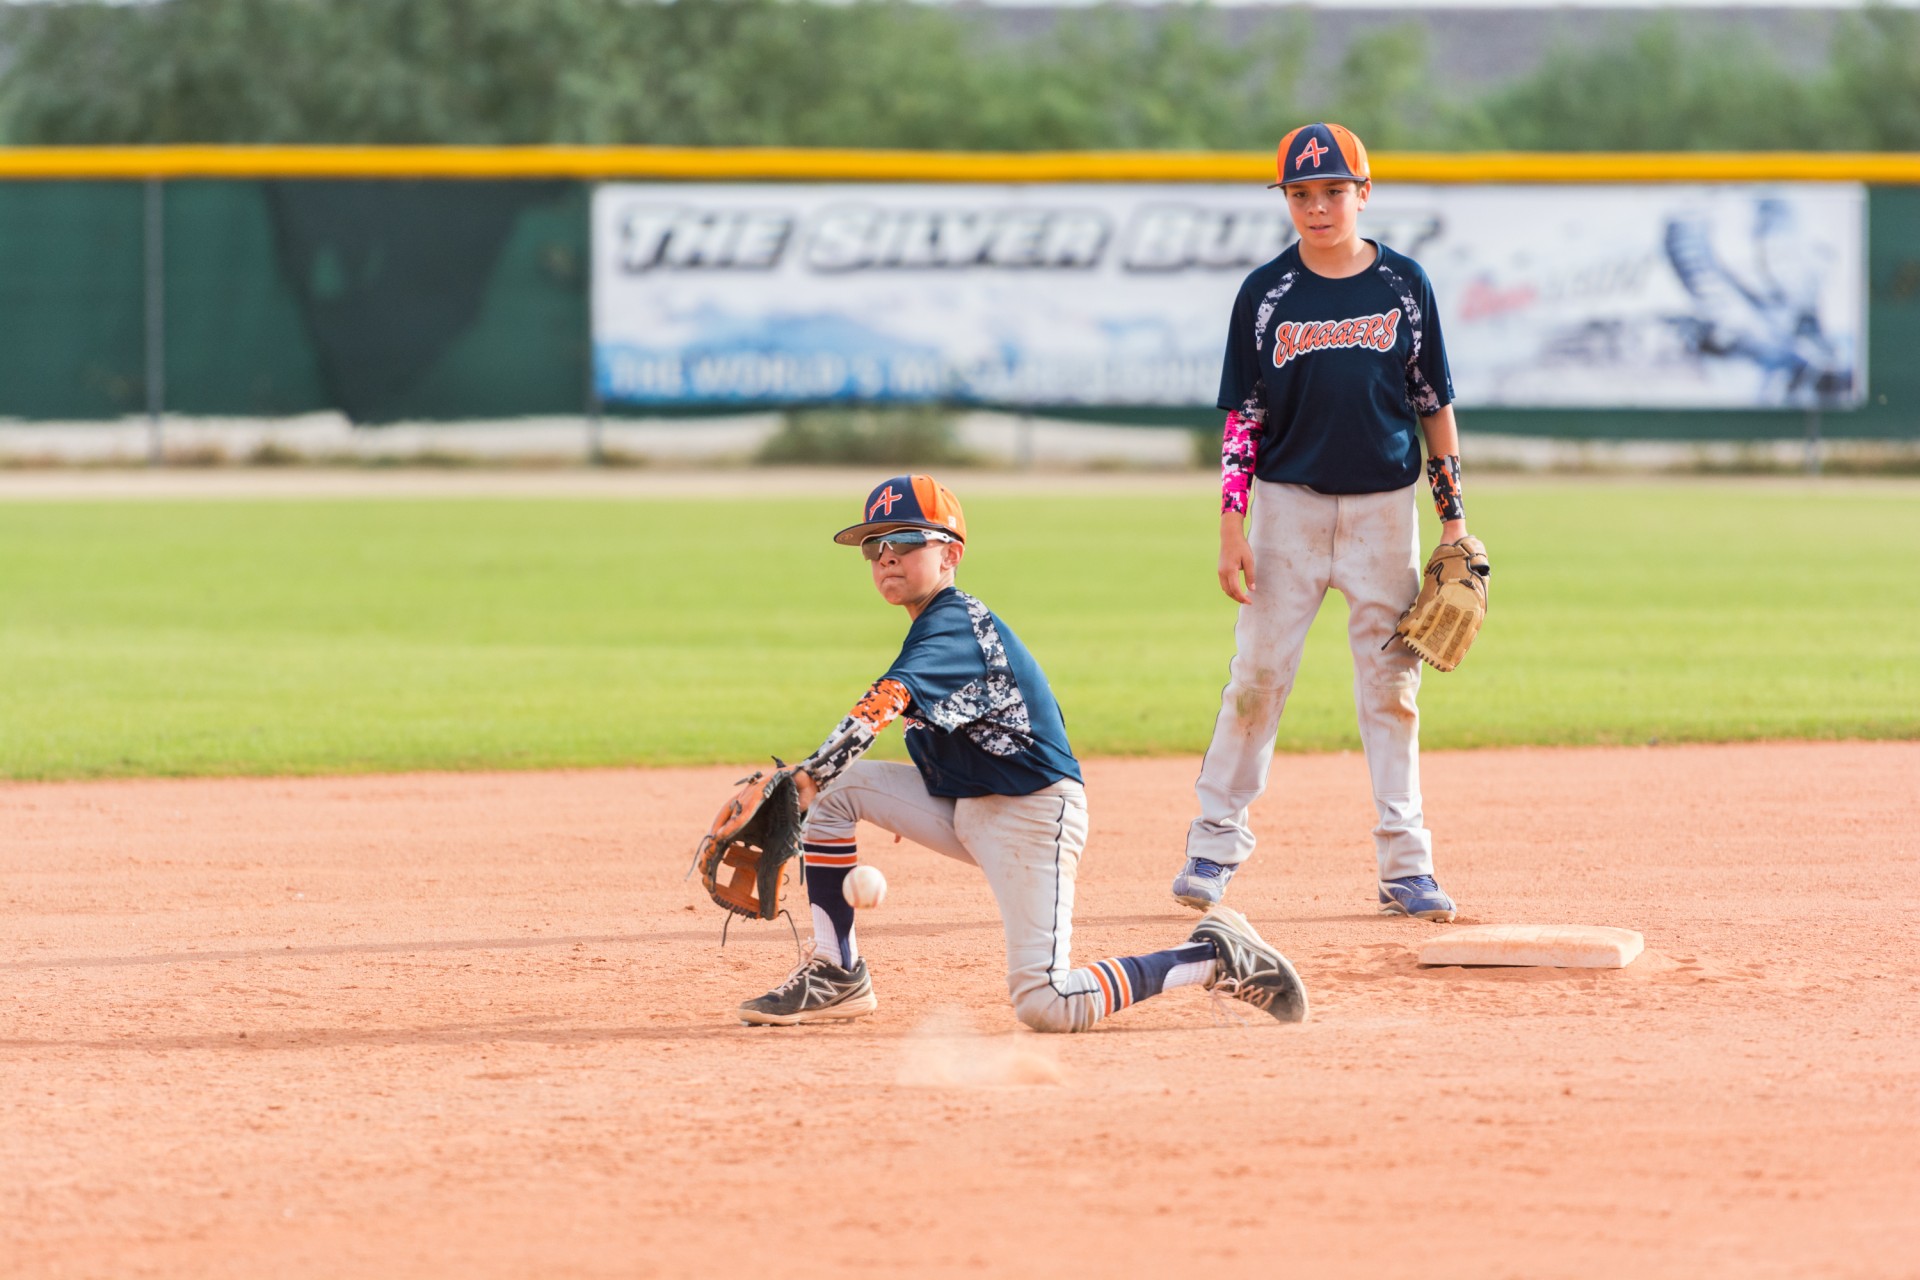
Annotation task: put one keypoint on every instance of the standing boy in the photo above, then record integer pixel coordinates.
(992, 783)
(1335, 373)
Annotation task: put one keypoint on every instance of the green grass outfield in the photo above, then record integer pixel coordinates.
(260, 637)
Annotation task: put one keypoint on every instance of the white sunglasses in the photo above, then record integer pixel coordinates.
(902, 541)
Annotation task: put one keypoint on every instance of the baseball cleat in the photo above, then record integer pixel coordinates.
(816, 991)
(1248, 968)
(1416, 896)
(1202, 883)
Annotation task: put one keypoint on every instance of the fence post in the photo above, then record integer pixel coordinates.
(156, 300)
(596, 427)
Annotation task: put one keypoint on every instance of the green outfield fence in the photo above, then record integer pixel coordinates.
(452, 283)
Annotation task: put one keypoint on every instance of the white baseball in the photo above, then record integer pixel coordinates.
(864, 887)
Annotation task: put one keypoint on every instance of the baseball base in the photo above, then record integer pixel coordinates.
(1558, 946)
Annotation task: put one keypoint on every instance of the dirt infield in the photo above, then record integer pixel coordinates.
(479, 1026)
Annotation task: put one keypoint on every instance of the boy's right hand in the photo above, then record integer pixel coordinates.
(1236, 563)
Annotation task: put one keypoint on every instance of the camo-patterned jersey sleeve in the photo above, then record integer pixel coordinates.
(1241, 367)
(1429, 381)
(883, 703)
(1239, 450)
(980, 716)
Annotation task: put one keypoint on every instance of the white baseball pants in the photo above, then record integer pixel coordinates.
(1367, 547)
(1028, 847)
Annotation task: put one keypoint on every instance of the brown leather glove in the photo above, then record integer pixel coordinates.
(754, 836)
(1440, 625)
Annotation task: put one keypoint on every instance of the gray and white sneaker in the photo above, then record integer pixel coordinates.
(1248, 968)
(817, 990)
(1202, 883)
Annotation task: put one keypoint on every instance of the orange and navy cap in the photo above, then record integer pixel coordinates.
(906, 502)
(1321, 151)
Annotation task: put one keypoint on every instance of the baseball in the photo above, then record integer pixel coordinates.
(864, 887)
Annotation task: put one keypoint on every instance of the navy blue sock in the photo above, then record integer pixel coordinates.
(1149, 972)
(1149, 975)
(832, 913)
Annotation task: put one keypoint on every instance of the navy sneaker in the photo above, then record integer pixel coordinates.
(1201, 883)
(1416, 896)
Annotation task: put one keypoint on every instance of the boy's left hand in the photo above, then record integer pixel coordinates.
(752, 838)
(1441, 624)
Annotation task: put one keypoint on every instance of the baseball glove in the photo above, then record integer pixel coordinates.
(754, 836)
(1440, 625)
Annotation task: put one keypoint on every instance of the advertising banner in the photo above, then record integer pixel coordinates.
(1118, 295)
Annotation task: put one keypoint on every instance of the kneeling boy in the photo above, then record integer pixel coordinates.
(993, 783)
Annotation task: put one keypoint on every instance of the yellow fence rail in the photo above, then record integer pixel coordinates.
(809, 164)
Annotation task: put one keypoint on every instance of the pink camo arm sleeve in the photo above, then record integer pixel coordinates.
(1239, 448)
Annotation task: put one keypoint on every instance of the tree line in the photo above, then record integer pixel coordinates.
(887, 73)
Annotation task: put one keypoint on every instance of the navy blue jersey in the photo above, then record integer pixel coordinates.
(982, 720)
(1343, 371)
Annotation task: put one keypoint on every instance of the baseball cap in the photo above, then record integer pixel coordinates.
(1321, 151)
(906, 502)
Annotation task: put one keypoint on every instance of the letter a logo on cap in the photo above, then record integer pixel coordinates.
(884, 503)
(1312, 151)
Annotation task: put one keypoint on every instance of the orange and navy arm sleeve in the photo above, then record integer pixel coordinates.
(1239, 450)
(1443, 476)
(884, 702)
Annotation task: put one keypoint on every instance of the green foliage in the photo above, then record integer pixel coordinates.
(319, 636)
(914, 437)
(891, 73)
(1113, 78)
(695, 72)
(1385, 94)
(1653, 91)
(1875, 82)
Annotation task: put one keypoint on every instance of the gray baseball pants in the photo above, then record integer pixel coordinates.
(1367, 547)
(1027, 846)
